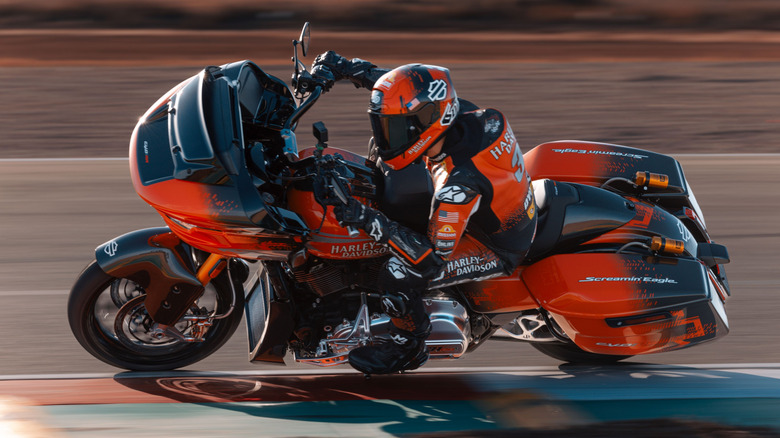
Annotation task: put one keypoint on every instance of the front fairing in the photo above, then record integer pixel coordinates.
(190, 161)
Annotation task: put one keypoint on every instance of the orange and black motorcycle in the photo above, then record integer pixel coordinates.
(622, 263)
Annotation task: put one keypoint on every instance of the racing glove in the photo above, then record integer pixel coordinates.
(323, 76)
(415, 248)
(353, 214)
(356, 70)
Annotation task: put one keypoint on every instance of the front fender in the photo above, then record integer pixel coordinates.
(158, 261)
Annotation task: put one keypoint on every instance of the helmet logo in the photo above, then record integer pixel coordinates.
(376, 100)
(437, 90)
(449, 113)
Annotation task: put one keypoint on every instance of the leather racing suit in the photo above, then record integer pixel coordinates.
(481, 225)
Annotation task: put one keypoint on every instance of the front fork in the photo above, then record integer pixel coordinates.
(210, 269)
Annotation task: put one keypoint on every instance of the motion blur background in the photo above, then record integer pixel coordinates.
(513, 15)
(674, 76)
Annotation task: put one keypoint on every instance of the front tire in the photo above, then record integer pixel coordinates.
(108, 318)
(569, 352)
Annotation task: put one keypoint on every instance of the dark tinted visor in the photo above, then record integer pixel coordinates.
(394, 134)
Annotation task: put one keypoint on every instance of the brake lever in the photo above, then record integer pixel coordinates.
(338, 190)
(331, 183)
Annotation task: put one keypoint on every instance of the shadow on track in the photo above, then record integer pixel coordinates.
(570, 398)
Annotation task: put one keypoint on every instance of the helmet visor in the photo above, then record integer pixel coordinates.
(395, 133)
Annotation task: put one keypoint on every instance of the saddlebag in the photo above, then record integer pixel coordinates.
(627, 304)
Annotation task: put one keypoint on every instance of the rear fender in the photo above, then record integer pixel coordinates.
(158, 261)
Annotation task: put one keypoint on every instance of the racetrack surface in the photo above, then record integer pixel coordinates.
(54, 212)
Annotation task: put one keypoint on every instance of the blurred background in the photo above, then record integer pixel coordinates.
(547, 15)
(676, 76)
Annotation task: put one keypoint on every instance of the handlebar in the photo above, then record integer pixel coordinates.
(303, 107)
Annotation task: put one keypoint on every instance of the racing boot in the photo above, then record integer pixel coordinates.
(406, 349)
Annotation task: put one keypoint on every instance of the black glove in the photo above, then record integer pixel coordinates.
(333, 62)
(352, 214)
(342, 68)
(323, 76)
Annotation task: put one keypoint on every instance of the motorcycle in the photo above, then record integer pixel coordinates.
(621, 264)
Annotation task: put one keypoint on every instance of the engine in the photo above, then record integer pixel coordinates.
(339, 309)
(323, 277)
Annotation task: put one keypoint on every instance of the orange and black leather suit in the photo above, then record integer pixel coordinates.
(483, 217)
(482, 220)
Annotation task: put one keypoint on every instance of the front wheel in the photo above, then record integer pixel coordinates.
(569, 352)
(108, 317)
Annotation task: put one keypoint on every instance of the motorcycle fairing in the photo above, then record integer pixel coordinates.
(158, 261)
(628, 304)
(189, 160)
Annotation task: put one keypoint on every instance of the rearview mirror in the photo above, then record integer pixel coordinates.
(304, 38)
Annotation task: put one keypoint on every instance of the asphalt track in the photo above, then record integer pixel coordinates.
(54, 213)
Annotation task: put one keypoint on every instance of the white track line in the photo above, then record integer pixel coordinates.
(346, 370)
(16, 160)
(17, 293)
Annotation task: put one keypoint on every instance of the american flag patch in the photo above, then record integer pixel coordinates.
(412, 104)
(449, 217)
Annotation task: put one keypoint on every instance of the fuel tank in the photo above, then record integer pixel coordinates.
(328, 239)
(403, 196)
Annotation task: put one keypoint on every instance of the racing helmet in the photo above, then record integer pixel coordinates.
(411, 108)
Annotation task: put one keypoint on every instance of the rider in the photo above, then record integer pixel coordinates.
(480, 183)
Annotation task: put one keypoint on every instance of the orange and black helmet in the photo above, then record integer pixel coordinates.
(411, 108)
